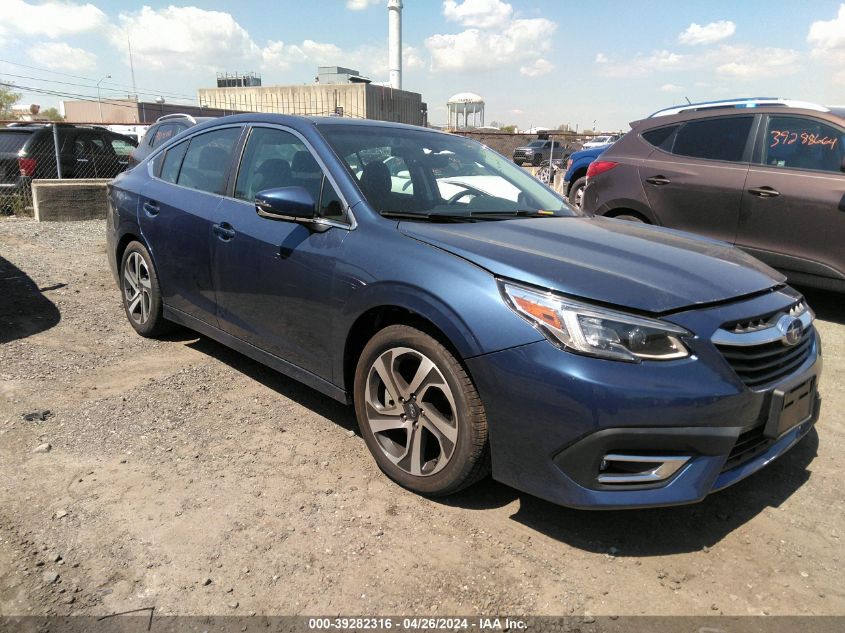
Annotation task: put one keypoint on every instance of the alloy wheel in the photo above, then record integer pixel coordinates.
(137, 288)
(411, 411)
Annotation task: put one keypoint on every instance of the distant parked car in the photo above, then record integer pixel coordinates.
(769, 180)
(27, 151)
(575, 178)
(601, 141)
(164, 129)
(537, 152)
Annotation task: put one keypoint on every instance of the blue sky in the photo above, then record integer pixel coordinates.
(535, 62)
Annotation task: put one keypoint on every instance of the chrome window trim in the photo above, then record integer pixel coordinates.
(351, 225)
(758, 337)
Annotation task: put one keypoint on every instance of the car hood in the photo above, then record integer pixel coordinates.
(609, 261)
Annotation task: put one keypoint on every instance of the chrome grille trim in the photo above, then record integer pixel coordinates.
(748, 335)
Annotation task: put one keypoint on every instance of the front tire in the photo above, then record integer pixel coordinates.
(140, 291)
(419, 413)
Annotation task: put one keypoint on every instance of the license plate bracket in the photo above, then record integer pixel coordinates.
(790, 407)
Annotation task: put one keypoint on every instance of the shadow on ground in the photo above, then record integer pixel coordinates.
(24, 310)
(322, 405)
(658, 531)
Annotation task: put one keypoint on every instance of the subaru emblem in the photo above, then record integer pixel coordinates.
(791, 328)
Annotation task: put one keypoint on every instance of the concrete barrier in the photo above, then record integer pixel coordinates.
(69, 199)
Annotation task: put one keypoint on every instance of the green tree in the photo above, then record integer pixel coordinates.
(51, 114)
(508, 128)
(8, 98)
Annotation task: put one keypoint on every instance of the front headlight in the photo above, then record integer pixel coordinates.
(595, 331)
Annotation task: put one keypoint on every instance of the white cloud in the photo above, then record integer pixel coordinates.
(641, 64)
(484, 14)
(671, 88)
(827, 37)
(738, 61)
(538, 67)
(477, 49)
(185, 37)
(52, 19)
(62, 56)
(360, 5)
(747, 62)
(710, 33)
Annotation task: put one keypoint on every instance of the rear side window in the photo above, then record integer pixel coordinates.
(173, 161)
(164, 133)
(662, 137)
(13, 141)
(715, 139)
(802, 143)
(121, 146)
(207, 160)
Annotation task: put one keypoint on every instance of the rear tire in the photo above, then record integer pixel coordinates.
(419, 413)
(140, 291)
(576, 192)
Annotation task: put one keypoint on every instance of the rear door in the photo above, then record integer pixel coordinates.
(178, 209)
(693, 179)
(793, 206)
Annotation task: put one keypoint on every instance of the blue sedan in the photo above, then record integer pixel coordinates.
(475, 320)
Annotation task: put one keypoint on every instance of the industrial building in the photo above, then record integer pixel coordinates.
(130, 111)
(339, 92)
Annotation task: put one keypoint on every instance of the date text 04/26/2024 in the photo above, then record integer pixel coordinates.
(421, 623)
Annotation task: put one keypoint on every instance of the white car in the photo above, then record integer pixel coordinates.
(598, 141)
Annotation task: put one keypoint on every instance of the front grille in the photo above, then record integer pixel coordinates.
(758, 365)
(766, 321)
(520, 153)
(749, 445)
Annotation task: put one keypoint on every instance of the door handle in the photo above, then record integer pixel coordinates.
(151, 208)
(224, 231)
(81, 160)
(763, 192)
(658, 180)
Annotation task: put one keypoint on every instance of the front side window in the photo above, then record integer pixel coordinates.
(121, 147)
(206, 162)
(715, 139)
(273, 159)
(802, 143)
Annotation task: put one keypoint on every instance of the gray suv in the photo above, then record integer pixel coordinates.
(769, 180)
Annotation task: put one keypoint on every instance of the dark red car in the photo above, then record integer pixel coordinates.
(767, 179)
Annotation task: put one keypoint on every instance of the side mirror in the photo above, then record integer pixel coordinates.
(294, 204)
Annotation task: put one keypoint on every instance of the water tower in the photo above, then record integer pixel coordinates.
(465, 104)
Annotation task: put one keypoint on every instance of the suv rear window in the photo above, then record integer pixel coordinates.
(715, 139)
(13, 141)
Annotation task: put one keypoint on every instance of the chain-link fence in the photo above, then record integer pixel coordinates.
(34, 151)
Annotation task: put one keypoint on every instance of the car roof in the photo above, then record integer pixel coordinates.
(750, 102)
(661, 121)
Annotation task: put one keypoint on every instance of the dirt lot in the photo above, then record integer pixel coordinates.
(184, 476)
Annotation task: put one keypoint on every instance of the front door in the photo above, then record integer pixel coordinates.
(178, 213)
(274, 279)
(698, 187)
(793, 207)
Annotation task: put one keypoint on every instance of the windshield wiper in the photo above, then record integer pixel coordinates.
(470, 216)
(434, 217)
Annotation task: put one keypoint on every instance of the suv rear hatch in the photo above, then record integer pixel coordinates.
(11, 142)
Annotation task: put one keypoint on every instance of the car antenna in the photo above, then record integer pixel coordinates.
(688, 101)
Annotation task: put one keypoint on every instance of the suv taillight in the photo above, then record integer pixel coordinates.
(26, 166)
(568, 164)
(599, 167)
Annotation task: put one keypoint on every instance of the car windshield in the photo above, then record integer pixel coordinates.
(536, 143)
(426, 174)
(601, 139)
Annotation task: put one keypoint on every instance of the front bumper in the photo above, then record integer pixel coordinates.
(553, 416)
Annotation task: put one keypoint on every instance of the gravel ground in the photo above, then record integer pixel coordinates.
(182, 475)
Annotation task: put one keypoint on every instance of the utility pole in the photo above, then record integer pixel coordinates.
(99, 102)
